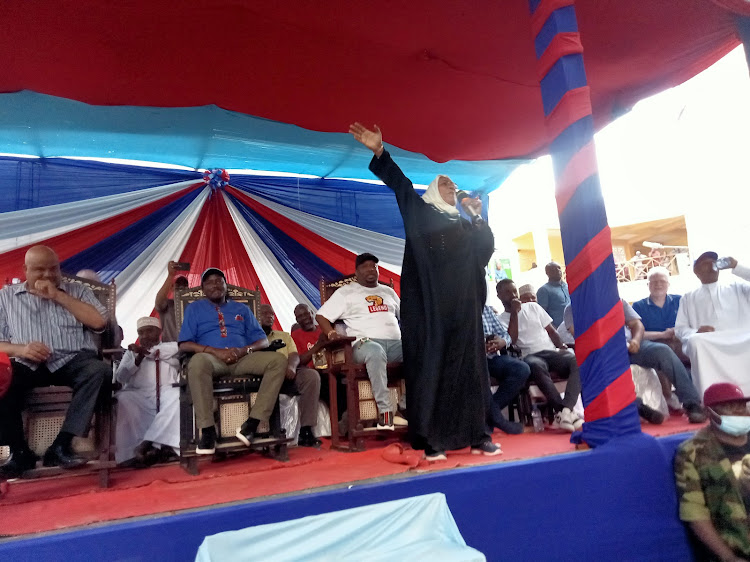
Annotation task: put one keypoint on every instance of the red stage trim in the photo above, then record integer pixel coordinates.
(580, 167)
(544, 11)
(599, 333)
(337, 257)
(71, 243)
(589, 258)
(572, 107)
(619, 394)
(567, 43)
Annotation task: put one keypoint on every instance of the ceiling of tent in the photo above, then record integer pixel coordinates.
(450, 80)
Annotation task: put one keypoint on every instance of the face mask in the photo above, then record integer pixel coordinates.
(735, 425)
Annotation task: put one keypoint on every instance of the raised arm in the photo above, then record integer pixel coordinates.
(161, 296)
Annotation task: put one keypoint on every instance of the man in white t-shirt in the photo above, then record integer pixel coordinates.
(370, 312)
(531, 329)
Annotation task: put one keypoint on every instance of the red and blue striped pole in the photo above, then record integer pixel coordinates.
(607, 387)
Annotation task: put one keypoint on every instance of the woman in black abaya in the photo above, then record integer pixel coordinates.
(442, 294)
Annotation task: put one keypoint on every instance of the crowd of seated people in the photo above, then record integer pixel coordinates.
(49, 329)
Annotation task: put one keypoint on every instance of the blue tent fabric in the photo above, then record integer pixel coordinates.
(209, 137)
(417, 528)
(29, 183)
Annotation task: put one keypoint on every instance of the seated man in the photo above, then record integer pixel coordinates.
(227, 340)
(370, 312)
(165, 306)
(713, 323)
(712, 470)
(553, 296)
(527, 293)
(658, 356)
(510, 373)
(46, 326)
(658, 311)
(300, 380)
(531, 329)
(148, 406)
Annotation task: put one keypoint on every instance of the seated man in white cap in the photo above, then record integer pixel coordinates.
(713, 324)
(148, 406)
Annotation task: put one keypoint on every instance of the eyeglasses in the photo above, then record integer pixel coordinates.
(222, 324)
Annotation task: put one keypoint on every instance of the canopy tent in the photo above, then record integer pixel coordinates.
(450, 80)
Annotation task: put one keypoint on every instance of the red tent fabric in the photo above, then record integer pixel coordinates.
(452, 80)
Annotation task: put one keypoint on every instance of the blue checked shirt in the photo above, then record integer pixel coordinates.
(492, 326)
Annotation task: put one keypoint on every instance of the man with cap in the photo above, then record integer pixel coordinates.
(527, 293)
(370, 312)
(300, 380)
(553, 296)
(47, 328)
(226, 339)
(165, 305)
(713, 324)
(148, 406)
(712, 471)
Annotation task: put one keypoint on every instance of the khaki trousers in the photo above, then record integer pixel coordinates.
(203, 367)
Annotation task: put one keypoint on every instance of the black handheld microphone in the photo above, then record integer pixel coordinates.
(475, 217)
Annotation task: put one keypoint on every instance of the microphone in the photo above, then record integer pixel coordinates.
(475, 217)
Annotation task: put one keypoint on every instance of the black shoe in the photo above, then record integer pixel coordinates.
(207, 443)
(695, 413)
(507, 426)
(649, 414)
(246, 433)
(307, 439)
(64, 457)
(19, 462)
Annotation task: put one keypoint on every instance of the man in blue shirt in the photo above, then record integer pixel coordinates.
(225, 338)
(553, 296)
(658, 311)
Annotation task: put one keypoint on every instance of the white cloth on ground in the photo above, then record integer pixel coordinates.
(648, 388)
(137, 418)
(722, 355)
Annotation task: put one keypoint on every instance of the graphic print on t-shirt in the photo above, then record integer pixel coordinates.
(376, 304)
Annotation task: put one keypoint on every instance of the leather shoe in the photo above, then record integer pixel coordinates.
(19, 462)
(695, 413)
(308, 439)
(64, 457)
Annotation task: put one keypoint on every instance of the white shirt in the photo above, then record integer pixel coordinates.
(370, 312)
(725, 306)
(143, 376)
(532, 328)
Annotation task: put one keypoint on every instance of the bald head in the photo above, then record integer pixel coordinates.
(41, 262)
(304, 316)
(266, 317)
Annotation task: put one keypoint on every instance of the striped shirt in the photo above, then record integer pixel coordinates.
(26, 318)
(492, 326)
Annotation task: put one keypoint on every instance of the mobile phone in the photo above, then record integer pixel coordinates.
(723, 263)
(182, 266)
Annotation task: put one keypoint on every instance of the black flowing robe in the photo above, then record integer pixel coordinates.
(443, 292)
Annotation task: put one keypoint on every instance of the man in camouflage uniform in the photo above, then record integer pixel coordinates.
(712, 471)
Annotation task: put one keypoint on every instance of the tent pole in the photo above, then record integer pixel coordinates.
(607, 387)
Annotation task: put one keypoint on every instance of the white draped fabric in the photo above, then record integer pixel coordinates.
(283, 293)
(389, 249)
(20, 228)
(138, 283)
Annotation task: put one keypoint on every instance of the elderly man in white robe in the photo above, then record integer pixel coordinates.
(713, 324)
(148, 406)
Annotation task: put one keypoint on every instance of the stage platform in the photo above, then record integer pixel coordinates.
(540, 494)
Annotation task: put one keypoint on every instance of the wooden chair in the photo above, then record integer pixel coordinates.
(530, 395)
(360, 403)
(46, 406)
(234, 397)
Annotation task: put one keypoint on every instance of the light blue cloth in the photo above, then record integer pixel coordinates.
(418, 528)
